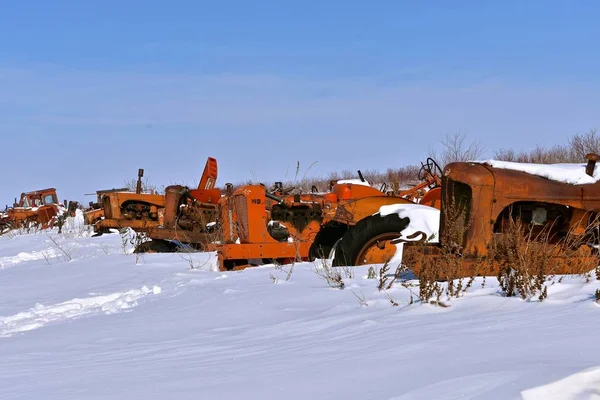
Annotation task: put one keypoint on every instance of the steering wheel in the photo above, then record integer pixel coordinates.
(430, 167)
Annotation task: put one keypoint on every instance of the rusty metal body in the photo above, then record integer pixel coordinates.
(257, 226)
(123, 209)
(189, 216)
(40, 207)
(95, 211)
(490, 197)
(350, 209)
(138, 211)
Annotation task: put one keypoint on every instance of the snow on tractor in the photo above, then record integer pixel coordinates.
(39, 208)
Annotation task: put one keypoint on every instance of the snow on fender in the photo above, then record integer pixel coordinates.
(422, 219)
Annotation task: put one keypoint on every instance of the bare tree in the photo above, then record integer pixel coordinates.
(582, 144)
(455, 148)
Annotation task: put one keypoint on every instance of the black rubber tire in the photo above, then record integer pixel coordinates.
(356, 237)
(156, 246)
(324, 241)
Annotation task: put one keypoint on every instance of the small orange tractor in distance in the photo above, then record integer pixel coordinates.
(490, 210)
(40, 207)
(121, 209)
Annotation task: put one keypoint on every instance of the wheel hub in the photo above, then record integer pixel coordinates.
(378, 250)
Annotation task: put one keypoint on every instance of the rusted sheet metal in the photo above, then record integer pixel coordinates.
(137, 225)
(244, 253)
(351, 211)
(132, 206)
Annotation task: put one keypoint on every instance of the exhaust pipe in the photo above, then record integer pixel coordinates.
(591, 164)
(138, 189)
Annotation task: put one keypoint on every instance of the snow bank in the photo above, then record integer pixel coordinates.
(276, 337)
(568, 173)
(74, 223)
(41, 315)
(581, 385)
(23, 256)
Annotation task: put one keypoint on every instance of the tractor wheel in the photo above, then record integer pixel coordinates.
(325, 240)
(156, 246)
(369, 241)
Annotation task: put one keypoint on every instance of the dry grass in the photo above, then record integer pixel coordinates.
(526, 257)
(331, 275)
(444, 274)
(524, 260)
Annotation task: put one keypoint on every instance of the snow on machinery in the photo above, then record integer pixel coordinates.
(39, 208)
(482, 202)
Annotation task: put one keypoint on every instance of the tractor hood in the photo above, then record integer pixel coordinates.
(473, 174)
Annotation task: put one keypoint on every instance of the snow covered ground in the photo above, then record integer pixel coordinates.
(82, 318)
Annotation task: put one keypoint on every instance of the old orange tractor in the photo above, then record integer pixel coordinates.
(188, 216)
(40, 208)
(482, 202)
(95, 212)
(351, 227)
(121, 209)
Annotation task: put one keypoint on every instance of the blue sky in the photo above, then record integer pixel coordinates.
(89, 92)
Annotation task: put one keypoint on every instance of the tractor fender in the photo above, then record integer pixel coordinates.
(351, 211)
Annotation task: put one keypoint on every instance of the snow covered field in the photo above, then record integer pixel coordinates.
(81, 318)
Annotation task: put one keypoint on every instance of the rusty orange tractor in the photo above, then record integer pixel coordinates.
(121, 209)
(257, 226)
(188, 216)
(40, 208)
(353, 234)
(95, 212)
